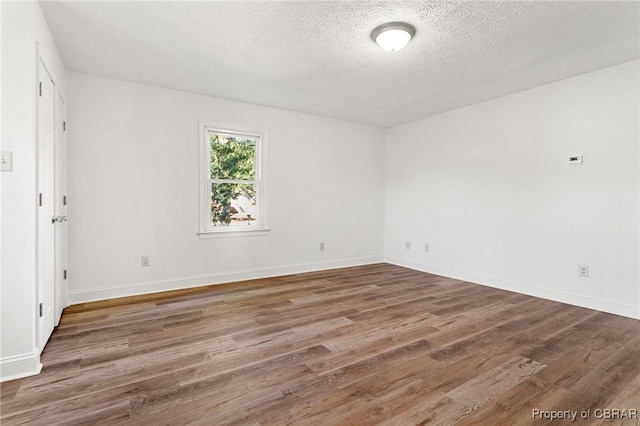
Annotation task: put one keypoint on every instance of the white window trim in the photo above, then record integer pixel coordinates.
(206, 231)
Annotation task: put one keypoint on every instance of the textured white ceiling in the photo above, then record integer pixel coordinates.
(317, 57)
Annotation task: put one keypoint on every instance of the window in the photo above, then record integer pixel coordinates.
(232, 181)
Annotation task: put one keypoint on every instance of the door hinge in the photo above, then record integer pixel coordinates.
(41, 310)
(64, 126)
(40, 199)
(40, 89)
(64, 274)
(64, 200)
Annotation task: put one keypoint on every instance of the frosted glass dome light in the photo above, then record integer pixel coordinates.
(393, 36)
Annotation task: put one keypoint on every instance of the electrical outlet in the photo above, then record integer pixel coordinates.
(426, 248)
(407, 245)
(145, 261)
(321, 246)
(583, 271)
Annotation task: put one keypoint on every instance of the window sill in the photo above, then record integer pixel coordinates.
(233, 233)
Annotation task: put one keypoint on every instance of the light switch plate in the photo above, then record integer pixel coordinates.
(6, 161)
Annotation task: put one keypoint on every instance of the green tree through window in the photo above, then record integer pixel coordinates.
(233, 176)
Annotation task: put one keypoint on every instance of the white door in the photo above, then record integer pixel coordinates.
(46, 206)
(60, 226)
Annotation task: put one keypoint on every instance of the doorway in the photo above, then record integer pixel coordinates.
(52, 204)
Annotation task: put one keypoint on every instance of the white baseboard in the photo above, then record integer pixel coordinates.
(19, 366)
(92, 295)
(590, 302)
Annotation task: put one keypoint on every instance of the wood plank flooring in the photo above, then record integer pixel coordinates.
(376, 344)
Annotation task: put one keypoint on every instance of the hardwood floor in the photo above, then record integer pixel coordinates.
(375, 344)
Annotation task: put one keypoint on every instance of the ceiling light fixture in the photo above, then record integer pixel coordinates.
(393, 36)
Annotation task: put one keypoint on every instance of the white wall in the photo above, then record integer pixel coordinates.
(489, 189)
(133, 191)
(22, 27)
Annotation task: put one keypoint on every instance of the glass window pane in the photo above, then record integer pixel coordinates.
(233, 157)
(233, 204)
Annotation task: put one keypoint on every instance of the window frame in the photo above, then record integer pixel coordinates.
(206, 229)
